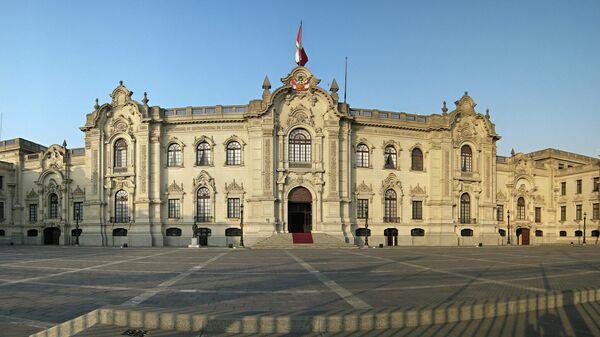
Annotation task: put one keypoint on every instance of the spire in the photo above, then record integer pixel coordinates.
(334, 88)
(145, 100)
(96, 106)
(487, 113)
(512, 152)
(266, 96)
(266, 83)
(64, 144)
(121, 83)
(444, 108)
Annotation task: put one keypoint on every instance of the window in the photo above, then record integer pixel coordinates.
(578, 233)
(502, 232)
(539, 232)
(119, 232)
(521, 208)
(562, 233)
(174, 155)
(234, 153)
(1, 210)
(466, 158)
(596, 184)
(120, 153)
(121, 207)
(595, 233)
(174, 208)
(362, 208)
(203, 154)
(299, 146)
(33, 208)
(417, 210)
(466, 232)
(500, 212)
(416, 159)
(173, 231)
(233, 208)
(563, 213)
(578, 212)
(538, 214)
(362, 155)
(2, 232)
(417, 232)
(563, 188)
(596, 211)
(1, 182)
(53, 206)
(32, 232)
(390, 206)
(389, 156)
(465, 208)
(78, 210)
(203, 205)
(579, 186)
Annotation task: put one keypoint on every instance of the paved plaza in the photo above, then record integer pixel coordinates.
(43, 286)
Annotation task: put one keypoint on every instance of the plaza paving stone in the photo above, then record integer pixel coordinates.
(55, 284)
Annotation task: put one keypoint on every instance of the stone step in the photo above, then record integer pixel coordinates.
(284, 241)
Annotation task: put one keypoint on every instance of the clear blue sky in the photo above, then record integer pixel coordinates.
(534, 64)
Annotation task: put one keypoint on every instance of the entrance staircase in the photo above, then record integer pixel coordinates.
(284, 241)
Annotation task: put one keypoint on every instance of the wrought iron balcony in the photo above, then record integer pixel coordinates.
(120, 169)
(203, 218)
(389, 219)
(120, 219)
(467, 220)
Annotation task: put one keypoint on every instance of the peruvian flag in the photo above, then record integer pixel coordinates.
(301, 57)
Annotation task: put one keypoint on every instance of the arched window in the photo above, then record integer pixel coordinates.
(174, 155)
(417, 232)
(120, 153)
(465, 208)
(119, 232)
(562, 233)
(539, 232)
(121, 207)
(299, 146)
(203, 207)
(578, 233)
(466, 232)
(362, 155)
(53, 206)
(417, 159)
(502, 232)
(390, 155)
(466, 158)
(390, 202)
(203, 154)
(173, 231)
(234, 153)
(595, 233)
(521, 208)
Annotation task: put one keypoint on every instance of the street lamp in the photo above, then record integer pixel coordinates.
(508, 217)
(584, 218)
(242, 224)
(367, 228)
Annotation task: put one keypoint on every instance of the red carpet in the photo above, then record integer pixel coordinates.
(302, 238)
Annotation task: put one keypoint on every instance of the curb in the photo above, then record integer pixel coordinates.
(343, 321)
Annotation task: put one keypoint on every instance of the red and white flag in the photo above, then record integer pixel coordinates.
(301, 57)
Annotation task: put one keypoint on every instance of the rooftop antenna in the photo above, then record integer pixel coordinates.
(345, 79)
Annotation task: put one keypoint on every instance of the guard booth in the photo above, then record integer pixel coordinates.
(233, 234)
(203, 233)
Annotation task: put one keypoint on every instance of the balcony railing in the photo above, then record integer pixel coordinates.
(120, 219)
(120, 169)
(391, 219)
(203, 218)
(467, 220)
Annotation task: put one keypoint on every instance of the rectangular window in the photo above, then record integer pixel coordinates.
(174, 208)
(1, 182)
(362, 208)
(500, 212)
(33, 212)
(233, 208)
(538, 214)
(563, 213)
(596, 184)
(595, 211)
(1, 211)
(563, 188)
(78, 211)
(417, 210)
(579, 188)
(578, 212)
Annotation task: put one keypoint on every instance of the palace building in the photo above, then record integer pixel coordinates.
(296, 160)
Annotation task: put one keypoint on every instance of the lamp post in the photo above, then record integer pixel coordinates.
(242, 224)
(508, 217)
(367, 228)
(584, 218)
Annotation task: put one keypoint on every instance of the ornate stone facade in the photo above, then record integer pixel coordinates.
(148, 174)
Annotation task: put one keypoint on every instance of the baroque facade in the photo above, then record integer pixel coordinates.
(296, 160)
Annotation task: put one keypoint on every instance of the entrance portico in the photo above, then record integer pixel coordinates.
(299, 210)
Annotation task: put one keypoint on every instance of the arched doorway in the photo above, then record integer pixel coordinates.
(523, 236)
(299, 210)
(51, 235)
(391, 235)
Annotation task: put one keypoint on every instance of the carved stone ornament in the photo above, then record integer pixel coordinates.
(500, 196)
(32, 195)
(234, 187)
(204, 180)
(301, 115)
(175, 188)
(363, 188)
(391, 181)
(121, 95)
(78, 192)
(300, 79)
(418, 191)
(466, 104)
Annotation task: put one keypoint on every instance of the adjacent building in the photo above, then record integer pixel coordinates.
(296, 160)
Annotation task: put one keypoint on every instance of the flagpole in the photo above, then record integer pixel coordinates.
(345, 79)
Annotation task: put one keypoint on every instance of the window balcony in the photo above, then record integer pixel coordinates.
(120, 219)
(203, 218)
(120, 169)
(469, 221)
(389, 219)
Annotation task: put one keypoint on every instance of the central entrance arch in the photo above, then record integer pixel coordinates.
(51, 235)
(299, 210)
